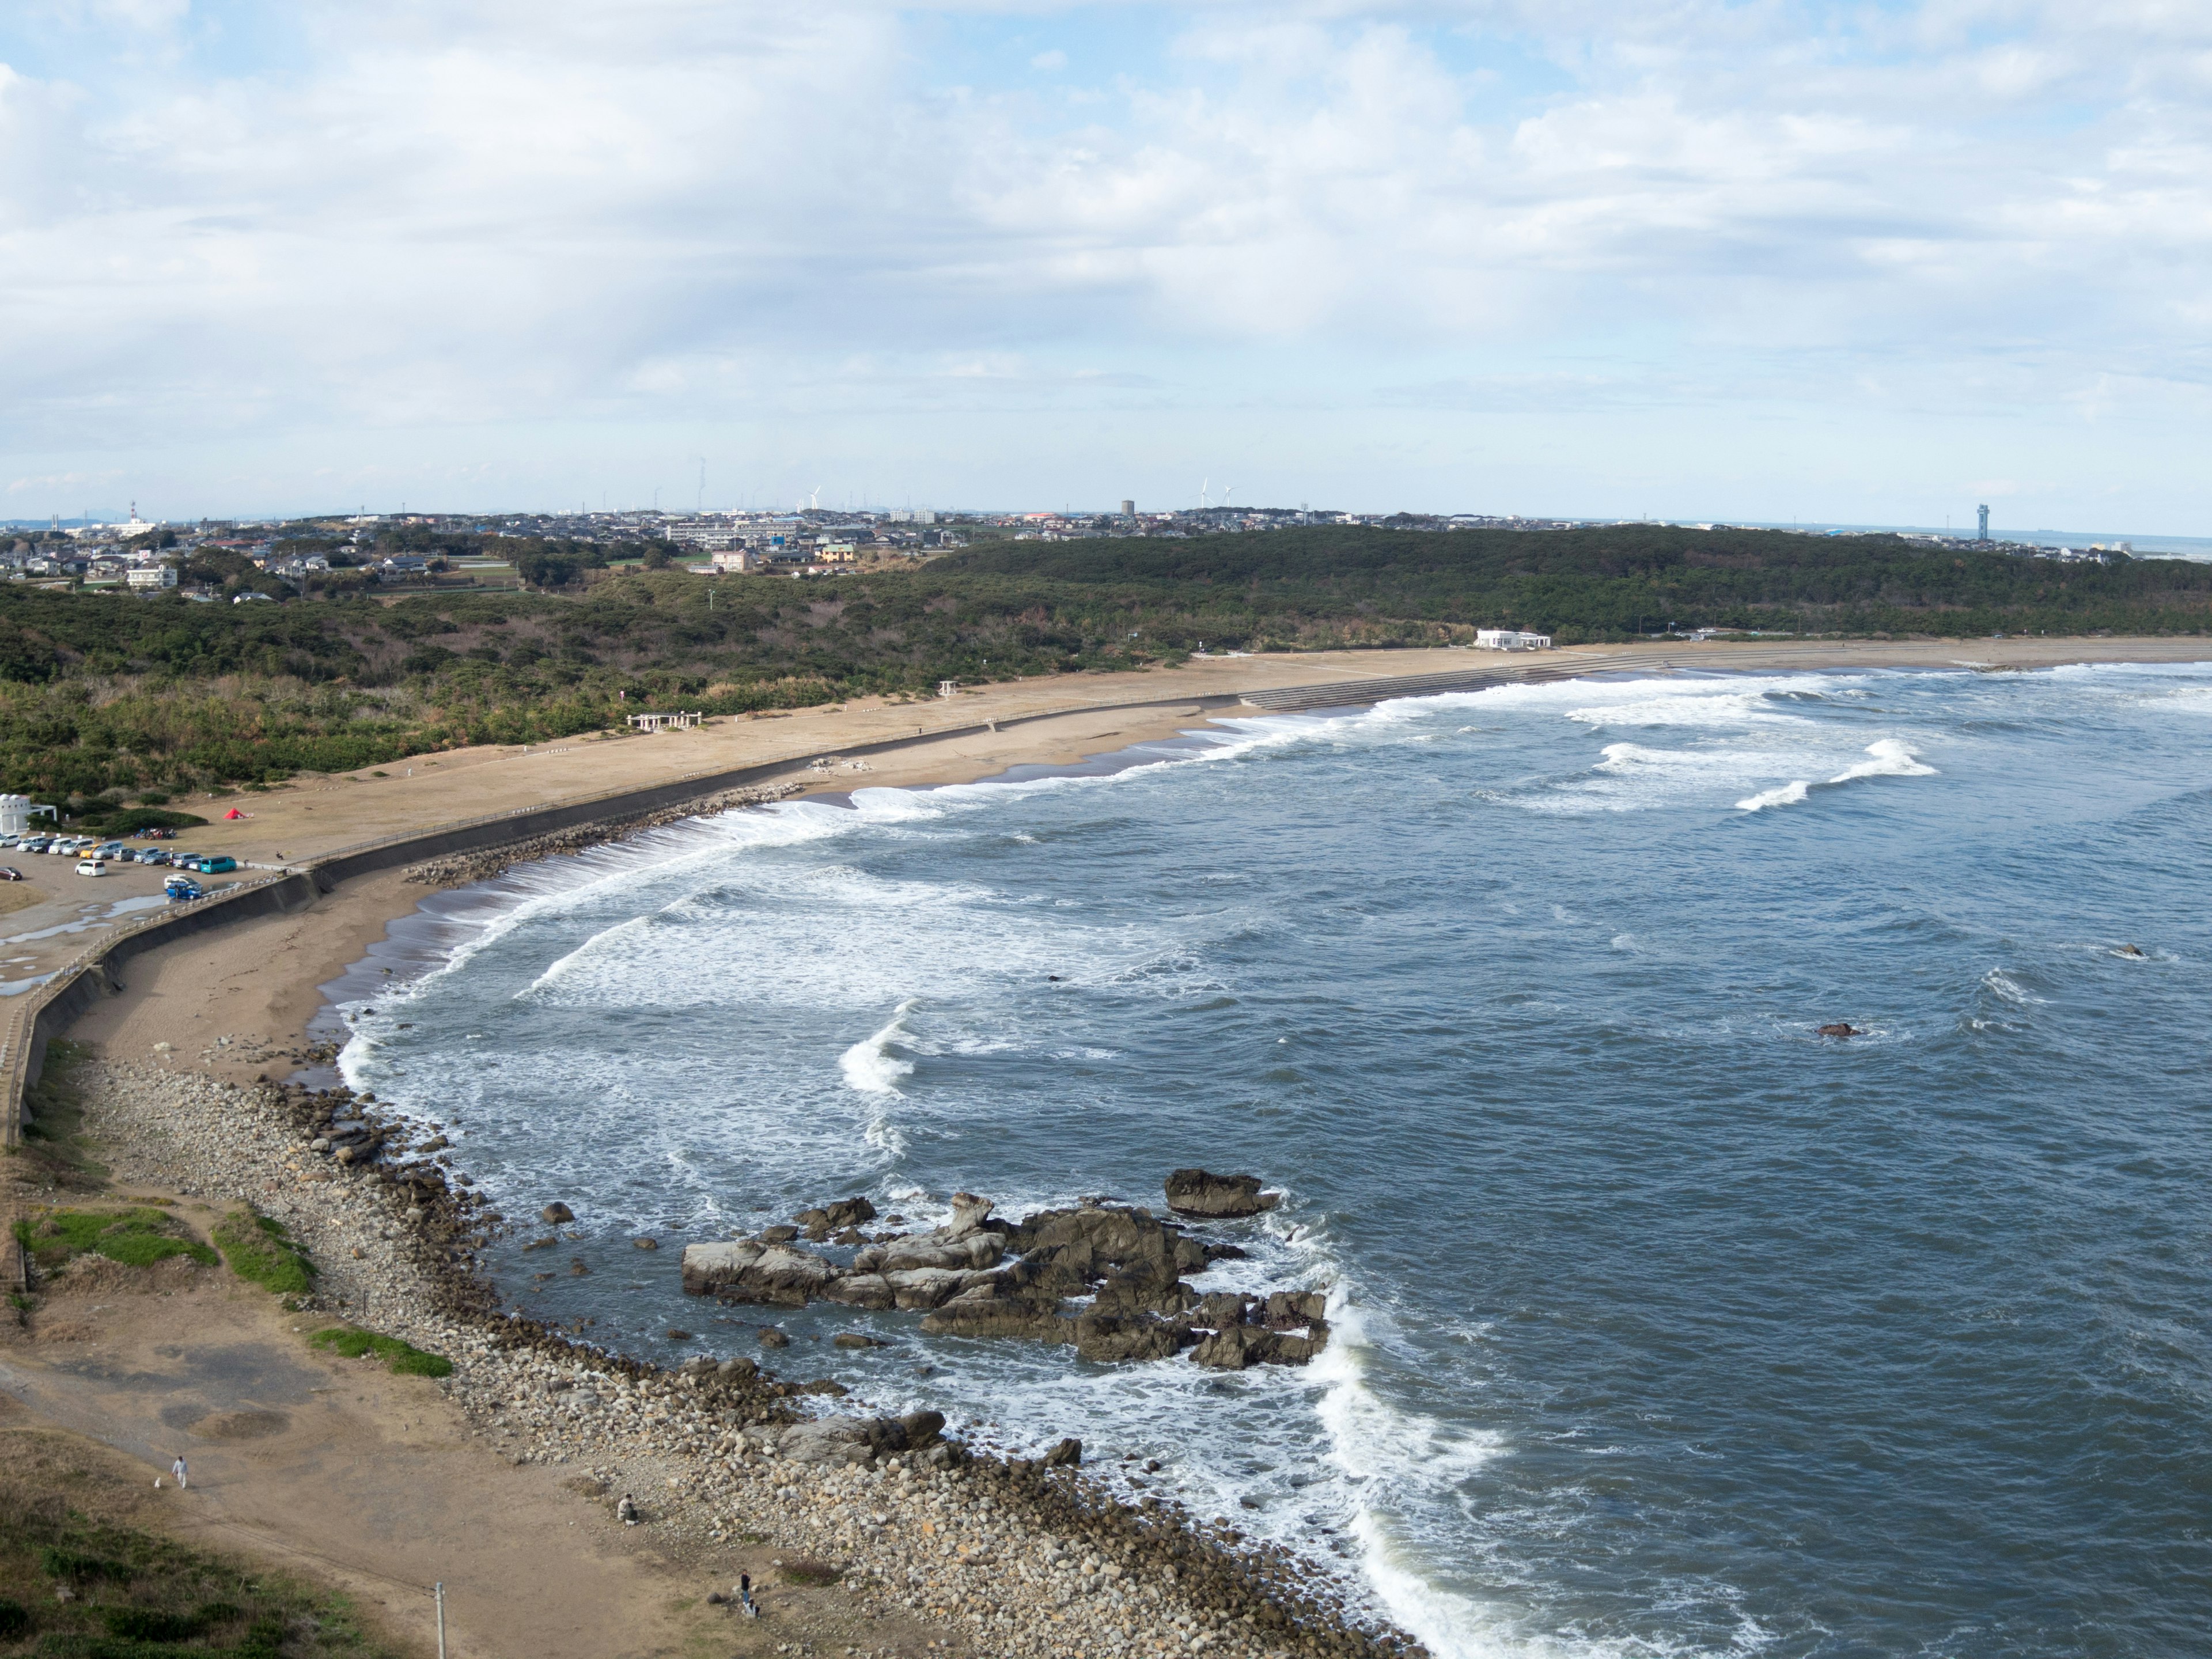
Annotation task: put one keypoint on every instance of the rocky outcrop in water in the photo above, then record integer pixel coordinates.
(1107, 1280)
(1194, 1192)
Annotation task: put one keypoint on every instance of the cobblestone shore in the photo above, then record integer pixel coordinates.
(1006, 1555)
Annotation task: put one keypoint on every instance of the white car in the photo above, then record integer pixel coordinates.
(92, 866)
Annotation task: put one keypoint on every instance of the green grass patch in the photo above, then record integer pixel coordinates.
(404, 1358)
(260, 1253)
(137, 1239)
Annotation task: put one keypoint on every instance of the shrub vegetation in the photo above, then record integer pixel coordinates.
(103, 699)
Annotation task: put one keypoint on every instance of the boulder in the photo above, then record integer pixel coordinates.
(966, 1253)
(770, 1337)
(708, 1267)
(554, 1214)
(1843, 1030)
(1108, 1338)
(738, 1371)
(782, 1277)
(1217, 1310)
(860, 1291)
(968, 1213)
(1290, 1311)
(1148, 1288)
(859, 1439)
(927, 1287)
(1066, 1453)
(850, 1212)
(991, 1306)
(1240, 1348)
(1196, 1192)
(778, 1235)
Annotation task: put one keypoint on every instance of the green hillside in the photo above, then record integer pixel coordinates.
(109, 696)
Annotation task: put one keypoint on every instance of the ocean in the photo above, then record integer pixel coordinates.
(1662, 1324)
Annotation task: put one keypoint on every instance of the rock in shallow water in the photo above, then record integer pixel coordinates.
(1196, 1192)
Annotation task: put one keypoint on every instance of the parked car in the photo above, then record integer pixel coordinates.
(92, 866)
(9, 873)
(152, 855)
(183, 890)
(35, 844)
(212, 864)
(110, 850)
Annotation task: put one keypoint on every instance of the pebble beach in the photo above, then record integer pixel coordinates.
(997, 1554)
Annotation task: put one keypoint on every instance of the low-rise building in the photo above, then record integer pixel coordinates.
(152, 578)
(1510, 639)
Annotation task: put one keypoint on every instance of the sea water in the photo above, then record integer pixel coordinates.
(1660, 1323)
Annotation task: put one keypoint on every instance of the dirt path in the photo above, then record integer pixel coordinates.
(346, 1472)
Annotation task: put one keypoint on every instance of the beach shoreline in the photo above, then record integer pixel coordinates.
(237, 1006)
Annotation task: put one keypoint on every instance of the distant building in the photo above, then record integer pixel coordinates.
(735, 559)
(153, 577)
(1510, 639)
(1983, 535)
(1129, 508)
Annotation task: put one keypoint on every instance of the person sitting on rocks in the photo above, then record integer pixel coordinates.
(626, 1511)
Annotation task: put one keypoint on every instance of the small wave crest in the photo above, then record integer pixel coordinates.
(871, 1067)
(1788, 794)
(1887, 757)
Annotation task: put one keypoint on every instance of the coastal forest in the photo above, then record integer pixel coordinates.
(106, 698)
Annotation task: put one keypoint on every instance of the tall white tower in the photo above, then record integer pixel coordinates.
(1983, 510)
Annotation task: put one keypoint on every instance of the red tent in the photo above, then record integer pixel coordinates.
(234, 813)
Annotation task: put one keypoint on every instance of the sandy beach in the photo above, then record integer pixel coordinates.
(178, 1075)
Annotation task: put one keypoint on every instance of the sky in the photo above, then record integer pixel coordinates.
(1869, 263)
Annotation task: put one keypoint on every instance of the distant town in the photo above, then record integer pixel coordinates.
(265, 560)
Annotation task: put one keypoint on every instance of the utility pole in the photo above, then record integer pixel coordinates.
(438, 1589)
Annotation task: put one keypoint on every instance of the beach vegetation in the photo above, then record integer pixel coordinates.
(260, 1251)
(137, 1239)
(404, 1358)
(103, 700)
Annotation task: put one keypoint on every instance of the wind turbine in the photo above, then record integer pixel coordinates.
(814, 500)
(1226, 493)
(1203, 503)
(702, 505)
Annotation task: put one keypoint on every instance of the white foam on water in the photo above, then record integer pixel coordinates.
(1891, 759)
(869, 1064)
(1788, 794)
(2008, 989)
(1888, 757)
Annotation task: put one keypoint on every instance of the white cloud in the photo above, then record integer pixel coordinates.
(492, 215)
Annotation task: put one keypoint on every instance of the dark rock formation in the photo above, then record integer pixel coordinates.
(1194, 1192)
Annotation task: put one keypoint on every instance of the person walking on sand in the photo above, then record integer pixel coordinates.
(177, 1469)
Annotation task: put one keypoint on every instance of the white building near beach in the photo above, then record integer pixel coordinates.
(1510, 639)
